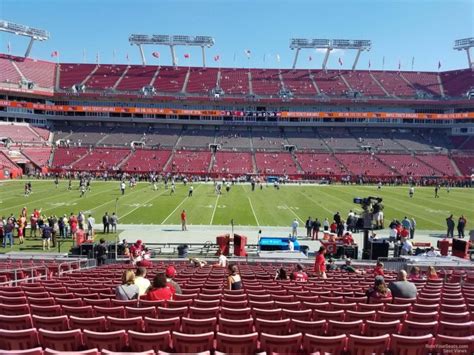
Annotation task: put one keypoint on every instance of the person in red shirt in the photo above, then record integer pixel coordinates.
(320, 263)
(404, 233)
(299, 274)
(183, 221)
(73, 225)
(333, 227)
(159, 289)
(378, 271)
(347, 239)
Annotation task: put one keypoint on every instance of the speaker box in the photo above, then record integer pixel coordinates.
(379, 250)
(87, 249)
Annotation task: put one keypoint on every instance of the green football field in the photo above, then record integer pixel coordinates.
(266, 207)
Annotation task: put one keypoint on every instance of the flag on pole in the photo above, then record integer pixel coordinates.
(310, 58)
(399, 64)
(383, 62)
(217, 58)
(156, 54)
(97, 57)
(340, 61)
(278, 58)
(54, 54)
(128, 58)
(439, 64)
(186, 56)
(9, 48)
(369, 64)
(412, 63)
(247, 53)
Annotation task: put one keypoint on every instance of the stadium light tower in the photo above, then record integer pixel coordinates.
(172, 41)
(466, 44)
(35, 34)
(330, 44)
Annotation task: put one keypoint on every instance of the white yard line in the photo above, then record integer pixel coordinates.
(215, 207)
(289, 209)
(144, 203)
(253, 211)
(174, 210)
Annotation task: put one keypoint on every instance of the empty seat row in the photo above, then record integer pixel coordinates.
(75, 340)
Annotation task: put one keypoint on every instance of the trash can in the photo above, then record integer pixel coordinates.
(240, 243)
(443, 246)
(182, 251)
(223, 242)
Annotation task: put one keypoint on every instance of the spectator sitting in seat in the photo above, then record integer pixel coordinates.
(170, 272)
(298, 274)
(127, 290)
(349, 268)
(402, 288)
(347, 239)
(433, 252)
(222, 261)
(415, 274)
(379, 291)
(431, 273)
(159, 289)
(141, 281)
(281, 274)
(331, 266)
(197, 262)
(378, 271)
(233, 280)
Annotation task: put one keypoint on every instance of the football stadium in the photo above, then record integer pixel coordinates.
(236, 177)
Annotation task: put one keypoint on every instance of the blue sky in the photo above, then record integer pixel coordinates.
(399, 30)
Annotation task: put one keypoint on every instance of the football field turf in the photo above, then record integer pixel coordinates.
(266, 207)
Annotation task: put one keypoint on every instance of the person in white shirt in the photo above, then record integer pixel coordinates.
(141, 281)
(122, 187)
(393, 234)
(222, 262)
(90, 226)
(407, 247)
(291, 245)
(294, 228)
(433, 252)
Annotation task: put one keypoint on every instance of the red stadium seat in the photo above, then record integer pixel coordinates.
(17, 322)
(235, 326)
(283, 344)
(373, 328)
(270, 314)
(337, 327)
(193, 343)
(18, 339)
(95, 324)
(84, 311)
(51, 323)
(302, 315)
(280, 326)
(117, 311)
(418, 328)
(135, 323)
(367, 345)
(198, 325)
(154, 325)
(354, 315)
(237, 344)
(235, 313)
(34, 351)
(149, 341)
(456, 329)
(172, 312)
(422, 317)
(454, 317)
(14, 309)
(141, 312)
(411, 345)
(69, 340)
(308, 327)
(462, 344)
(114, 341)
(391, 316)
(328, 315)
(324, 344)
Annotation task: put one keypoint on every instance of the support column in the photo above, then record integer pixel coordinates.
(471, 65)
(142, 54)
(296, 57)
(203, 57)
(326, 57)
(173, 55)
(356, 60)
(30, 45)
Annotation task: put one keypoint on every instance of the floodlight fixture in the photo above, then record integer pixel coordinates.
(172, 41)
(330, 44)
(465, 44)
(34, 34)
